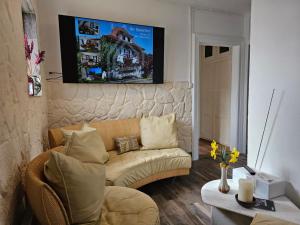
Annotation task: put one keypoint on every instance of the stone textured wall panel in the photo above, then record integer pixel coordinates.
(73, 103)
(23, 119)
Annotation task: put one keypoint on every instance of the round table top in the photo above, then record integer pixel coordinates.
(210, 194)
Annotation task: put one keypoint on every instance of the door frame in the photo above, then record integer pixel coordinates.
(239, 96)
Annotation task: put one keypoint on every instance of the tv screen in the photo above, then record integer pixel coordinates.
(100, 51)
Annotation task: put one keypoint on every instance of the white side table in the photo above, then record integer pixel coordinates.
(226, 211)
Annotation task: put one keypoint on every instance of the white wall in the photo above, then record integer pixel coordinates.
(215, 23)
(274, 63)
(175, 18)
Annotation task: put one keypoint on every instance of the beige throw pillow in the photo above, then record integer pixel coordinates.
(159, 132)
(88, 147)
(126, 144)
(68, 133)
(80, 186)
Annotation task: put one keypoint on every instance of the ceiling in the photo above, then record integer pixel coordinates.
(227, 6)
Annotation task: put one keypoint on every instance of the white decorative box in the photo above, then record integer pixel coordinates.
(266, 186)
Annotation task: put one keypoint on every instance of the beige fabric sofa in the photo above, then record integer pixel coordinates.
(121, 206)
(262, 219)
(136, 168)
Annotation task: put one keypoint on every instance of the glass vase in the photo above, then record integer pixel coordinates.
(223, 186)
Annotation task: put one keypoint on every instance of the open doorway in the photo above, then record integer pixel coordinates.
(220, 49)
(215, 96)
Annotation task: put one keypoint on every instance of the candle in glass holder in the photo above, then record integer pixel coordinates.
(246, 189)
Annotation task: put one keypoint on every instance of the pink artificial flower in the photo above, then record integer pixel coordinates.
(28, 48)
(40, 57)
(31, 47)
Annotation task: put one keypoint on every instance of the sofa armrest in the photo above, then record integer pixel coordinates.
(262, 219)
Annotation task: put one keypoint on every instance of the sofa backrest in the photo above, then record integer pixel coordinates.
(107, 129)
(44, 202)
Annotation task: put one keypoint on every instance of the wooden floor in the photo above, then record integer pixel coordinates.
(204, 147)
(177, 198)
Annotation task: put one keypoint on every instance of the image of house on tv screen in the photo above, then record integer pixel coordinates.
(111, 52)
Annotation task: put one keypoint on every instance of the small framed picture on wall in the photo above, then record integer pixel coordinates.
(33, 56)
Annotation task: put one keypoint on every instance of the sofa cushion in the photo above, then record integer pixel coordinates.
(87, 147)
(127, 144)
(68, 132)
(127, 168)
(128, 206)
(80, 186)
(159, 132)
(262, 219)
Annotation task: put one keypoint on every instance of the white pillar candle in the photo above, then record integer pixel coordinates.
(246, 189)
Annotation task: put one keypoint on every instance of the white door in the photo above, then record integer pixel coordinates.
(215, 94)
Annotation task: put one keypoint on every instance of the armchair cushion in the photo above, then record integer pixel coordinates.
(80, 186)
(128, 206)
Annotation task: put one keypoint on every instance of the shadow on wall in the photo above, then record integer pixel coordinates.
(293, 194)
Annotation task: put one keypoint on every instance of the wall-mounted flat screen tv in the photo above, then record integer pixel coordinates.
(100, 51)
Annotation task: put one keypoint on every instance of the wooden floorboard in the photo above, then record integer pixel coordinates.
(204, 146)
(179, 199)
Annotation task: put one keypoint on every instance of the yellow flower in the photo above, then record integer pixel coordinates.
(234, 155)
(213, 154)
(233, 159)
(214, 145)
(235, 152)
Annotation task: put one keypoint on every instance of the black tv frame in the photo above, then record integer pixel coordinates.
(68, 46)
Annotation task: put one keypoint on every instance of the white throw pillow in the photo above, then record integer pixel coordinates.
(68, 133)
(159, 132)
